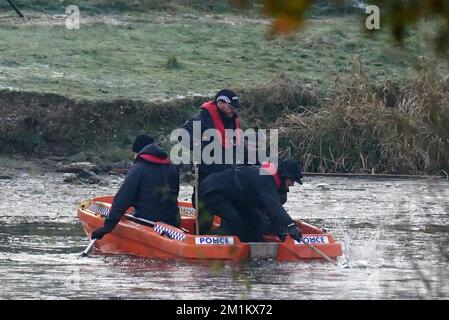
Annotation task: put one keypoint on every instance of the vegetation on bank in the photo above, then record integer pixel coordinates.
(358, 127)
(48, 124)
(370, 129)
(92, 90)
(252, 7)
(126, 6)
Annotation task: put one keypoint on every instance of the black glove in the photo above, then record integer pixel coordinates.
(293, 231)
(100, 233)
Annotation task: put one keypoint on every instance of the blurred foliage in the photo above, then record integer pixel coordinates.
(397, 15)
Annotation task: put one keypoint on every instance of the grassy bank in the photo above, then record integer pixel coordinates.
(132, 71)
(149, 56)
(251, 7)
(360, 126)
(129, 6)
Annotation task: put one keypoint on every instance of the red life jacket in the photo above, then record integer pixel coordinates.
(154, 159)
(212, 108)
(271, 169)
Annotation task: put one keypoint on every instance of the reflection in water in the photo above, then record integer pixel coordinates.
(394, 235)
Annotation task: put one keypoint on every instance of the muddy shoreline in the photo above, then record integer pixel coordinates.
(78, 173)
(14, 166)
(364, 137)
(47, 124)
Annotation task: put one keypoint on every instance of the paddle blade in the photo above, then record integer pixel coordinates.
(86, 252)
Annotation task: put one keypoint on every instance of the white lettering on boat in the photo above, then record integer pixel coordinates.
(316, 240)
(214, 240)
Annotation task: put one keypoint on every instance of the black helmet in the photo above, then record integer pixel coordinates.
(141, 141)
(290, 169)
(228, 96)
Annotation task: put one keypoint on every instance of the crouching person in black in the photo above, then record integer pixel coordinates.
(151, 186)
(240, 195)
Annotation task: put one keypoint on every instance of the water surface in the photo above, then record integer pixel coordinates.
(394, 235)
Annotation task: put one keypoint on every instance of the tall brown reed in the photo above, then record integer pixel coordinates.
(363, 128)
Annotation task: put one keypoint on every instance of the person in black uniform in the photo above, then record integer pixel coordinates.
(220, 114)
(140, 142)
(151, 186)
(241, 195)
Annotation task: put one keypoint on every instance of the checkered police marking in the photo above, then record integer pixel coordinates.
(314, 240)
(159, 227)
(214, 240)
(98, 209)
(173, 234)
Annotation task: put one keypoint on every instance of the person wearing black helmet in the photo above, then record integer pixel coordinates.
(151, 186)
(239, 195)
(221, 114)
(140, 142)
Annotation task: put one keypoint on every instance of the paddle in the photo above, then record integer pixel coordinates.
(145, 222)
(322, 254)
(130, 217)
(86, 252)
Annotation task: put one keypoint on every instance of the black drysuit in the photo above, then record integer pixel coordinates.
(206, 123)
(238, 196)
(151, 186)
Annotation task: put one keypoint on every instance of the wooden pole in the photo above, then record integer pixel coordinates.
(322, 254)
(197, 205)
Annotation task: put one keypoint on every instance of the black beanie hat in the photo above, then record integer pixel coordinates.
(291, 169)
(141, 141)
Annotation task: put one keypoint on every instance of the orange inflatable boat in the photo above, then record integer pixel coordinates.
(161, 241)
